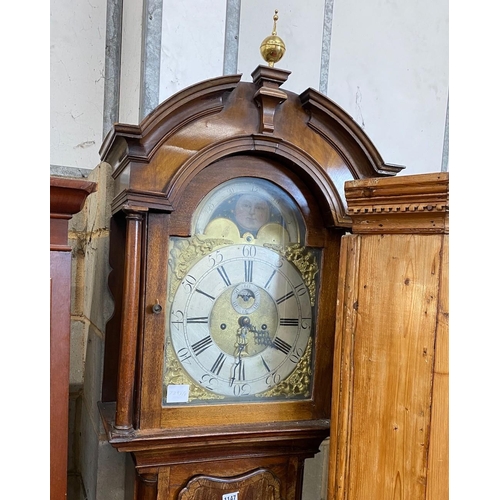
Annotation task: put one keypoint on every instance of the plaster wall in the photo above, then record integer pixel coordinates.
(384, 62)
(192, 45)
(77, 50)
(131, 56)
(300, 26)
(389, 71)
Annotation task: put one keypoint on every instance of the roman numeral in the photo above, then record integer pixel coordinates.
(289, 322)
(270, 278)
(201, 345)
(282, 346)
(223, 275)
(201, 319)
(285, 297)
(265, 364)
(248, 270)
(241, 370)
(219, 362)
(204, 293)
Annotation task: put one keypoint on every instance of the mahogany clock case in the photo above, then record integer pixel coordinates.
(158, 229)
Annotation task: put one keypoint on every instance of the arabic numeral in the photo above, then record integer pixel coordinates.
(177, 318)
(241, 390)
(273, 379)
(215, 258)
(188, 283)
(249, 251)
(208, 381)
(306, 323)
(296, 355)
(183, 354)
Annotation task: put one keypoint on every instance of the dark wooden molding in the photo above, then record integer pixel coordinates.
(67, 197)
(338, 128)
(269, 96)
(223, 117)
(193, 444)
(125, 143)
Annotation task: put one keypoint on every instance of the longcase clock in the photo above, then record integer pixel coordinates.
(225, 240)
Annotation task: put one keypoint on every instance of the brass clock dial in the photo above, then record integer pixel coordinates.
(241, 320)
(242, 293)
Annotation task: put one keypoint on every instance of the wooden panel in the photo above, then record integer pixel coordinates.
(253, 486)
(342, 380)
(60, 291)
(382, 398)
(438, 482)
(198, 481)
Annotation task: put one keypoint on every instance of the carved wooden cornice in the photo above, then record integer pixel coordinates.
(126, 143)
(406, 204)
(269, 95)
(154, 161)
(337, 127)
(67, 197)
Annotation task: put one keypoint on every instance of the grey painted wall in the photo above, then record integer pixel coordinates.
(385, 63)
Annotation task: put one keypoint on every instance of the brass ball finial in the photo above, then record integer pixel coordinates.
(272, 47)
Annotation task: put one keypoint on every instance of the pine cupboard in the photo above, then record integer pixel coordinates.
(389, 425)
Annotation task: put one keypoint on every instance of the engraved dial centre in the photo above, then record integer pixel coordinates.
(244, 300)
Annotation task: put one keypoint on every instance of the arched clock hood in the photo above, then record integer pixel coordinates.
(154, 161)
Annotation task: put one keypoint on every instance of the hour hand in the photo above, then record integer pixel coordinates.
(240, 346)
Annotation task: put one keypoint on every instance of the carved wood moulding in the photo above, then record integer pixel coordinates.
(406, 204)
(269, 95)
(67, 197)
(256, 485)
(154, 161)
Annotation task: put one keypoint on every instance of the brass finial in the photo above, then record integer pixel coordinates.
(272, 47)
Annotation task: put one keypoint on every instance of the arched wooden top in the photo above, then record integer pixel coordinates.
(154, 161)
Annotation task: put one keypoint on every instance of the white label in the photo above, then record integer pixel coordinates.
(177, 393)
(230, 496)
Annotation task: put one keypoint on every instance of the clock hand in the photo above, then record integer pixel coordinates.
(240, 345)
(241, 337)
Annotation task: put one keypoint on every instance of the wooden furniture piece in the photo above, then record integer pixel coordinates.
(67, 197)
(389, 435)
(209, 415)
